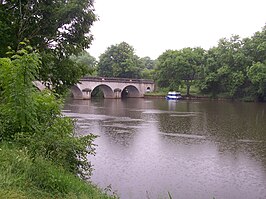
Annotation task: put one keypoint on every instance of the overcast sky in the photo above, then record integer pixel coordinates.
(153, 26)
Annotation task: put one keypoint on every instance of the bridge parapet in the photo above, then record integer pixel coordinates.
(115, 79)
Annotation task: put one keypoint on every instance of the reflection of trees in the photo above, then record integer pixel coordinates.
(173, 124)
(232, 121)
(236, 128)
(78, 106)
(119, 132)
(121, 128)
(183, 118)
(118, 107)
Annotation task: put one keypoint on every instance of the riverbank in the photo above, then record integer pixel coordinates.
(191, 97)
(23, 177)
(198, 97)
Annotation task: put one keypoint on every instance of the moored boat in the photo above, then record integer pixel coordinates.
(172, 95)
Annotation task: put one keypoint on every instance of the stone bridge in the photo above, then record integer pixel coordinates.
(112, 87)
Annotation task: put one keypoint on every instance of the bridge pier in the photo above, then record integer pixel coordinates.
(86, 94)
(118, 93)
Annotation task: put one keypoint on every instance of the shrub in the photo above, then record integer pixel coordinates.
(33, 119)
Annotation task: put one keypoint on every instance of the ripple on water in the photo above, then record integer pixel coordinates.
(183, 115)
(250, 141)
(184, 135)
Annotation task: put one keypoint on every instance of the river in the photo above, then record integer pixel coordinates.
(148, 148)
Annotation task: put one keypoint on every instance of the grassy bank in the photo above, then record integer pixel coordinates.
(162, 92)
(22, 177)
(196, 94)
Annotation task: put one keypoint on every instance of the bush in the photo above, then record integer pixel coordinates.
(33, 119)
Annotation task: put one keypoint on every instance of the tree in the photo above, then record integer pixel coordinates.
(227, 63)
(257, 76)
(165, 70)
(148, 66)
(254, 48)
(56, 28)
(177, 67)
(85, 60)
(147, 62)
(119, 61)
(190, 64)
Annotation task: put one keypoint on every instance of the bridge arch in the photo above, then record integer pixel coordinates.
(130, 91)
(76, 92)
(107, 90)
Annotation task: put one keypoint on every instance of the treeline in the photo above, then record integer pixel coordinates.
(235, 68)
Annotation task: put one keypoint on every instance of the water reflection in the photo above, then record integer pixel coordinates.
(193, 149)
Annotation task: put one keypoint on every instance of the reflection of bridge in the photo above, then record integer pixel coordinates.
(112, 87)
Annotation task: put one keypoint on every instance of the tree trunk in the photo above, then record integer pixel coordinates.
(188, 87)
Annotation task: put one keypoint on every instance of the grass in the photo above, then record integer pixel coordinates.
(24, 178)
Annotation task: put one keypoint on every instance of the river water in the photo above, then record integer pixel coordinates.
(148, 148)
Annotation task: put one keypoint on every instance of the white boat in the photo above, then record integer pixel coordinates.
(173, 95)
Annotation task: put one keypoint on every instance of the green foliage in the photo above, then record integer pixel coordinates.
(148, 68)
(225, 68)
(84, 59)
(165, 70)
(147, 73)
(59, 25)
(257, 76)
(119, 61)
(147, 63)
(237, 79)
(21, 177)
(175, 68)
(33, 119)
(210, 84)
(56, 28)
(60, 73)
(235, 68)
(17, 105)
(254, 48)
(55, 138)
